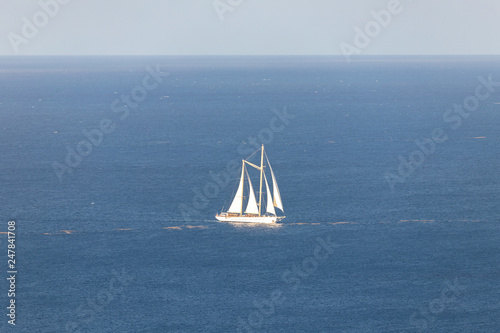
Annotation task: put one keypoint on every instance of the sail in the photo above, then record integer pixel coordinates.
(270, 206)
(237, 204)
(252, 203)
(276, 192)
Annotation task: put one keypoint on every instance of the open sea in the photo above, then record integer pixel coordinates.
(114, 167)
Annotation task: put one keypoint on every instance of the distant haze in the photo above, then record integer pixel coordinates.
(249, 27)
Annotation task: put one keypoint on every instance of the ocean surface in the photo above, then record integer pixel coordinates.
(114, 167)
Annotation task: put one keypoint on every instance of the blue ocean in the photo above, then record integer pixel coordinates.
(113, 169)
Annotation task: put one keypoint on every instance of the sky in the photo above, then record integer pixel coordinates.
(249, 27)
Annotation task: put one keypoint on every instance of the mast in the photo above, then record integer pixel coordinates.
(243, 178)
(261, 171)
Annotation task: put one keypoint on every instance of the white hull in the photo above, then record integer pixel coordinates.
(249, 219)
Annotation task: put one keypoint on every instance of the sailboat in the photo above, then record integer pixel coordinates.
(254, 212)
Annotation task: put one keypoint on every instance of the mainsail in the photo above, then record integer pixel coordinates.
(252, 203)
(237, 205)
(270, 206)
(276, 192)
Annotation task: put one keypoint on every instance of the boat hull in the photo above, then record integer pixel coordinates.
(249, 219)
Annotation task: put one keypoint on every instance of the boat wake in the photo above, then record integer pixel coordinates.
(213, 224)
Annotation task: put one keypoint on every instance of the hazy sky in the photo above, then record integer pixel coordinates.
(253, 27)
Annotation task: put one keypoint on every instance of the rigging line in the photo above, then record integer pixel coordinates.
(253, 153)
(267, 159)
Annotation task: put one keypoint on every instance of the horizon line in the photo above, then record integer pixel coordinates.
(248, 55)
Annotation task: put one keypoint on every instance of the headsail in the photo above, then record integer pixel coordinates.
(270, 206)
(276, 192)
(252, 203)
(237, 204)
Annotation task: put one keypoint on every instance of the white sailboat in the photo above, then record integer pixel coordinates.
(254, 212)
